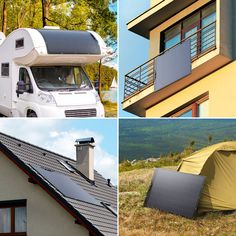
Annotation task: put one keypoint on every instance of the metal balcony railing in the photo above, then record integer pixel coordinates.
(202, 41)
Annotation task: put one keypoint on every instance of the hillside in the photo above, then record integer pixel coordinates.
(141, 139)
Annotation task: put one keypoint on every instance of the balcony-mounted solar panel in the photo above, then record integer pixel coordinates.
(173, 65)
(175, 192)
(65, 185)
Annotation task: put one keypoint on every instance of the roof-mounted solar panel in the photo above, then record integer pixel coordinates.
(175, 192)
(65, 185)
(85, 140)
(67, 166)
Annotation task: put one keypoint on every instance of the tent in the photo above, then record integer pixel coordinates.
(218, 164)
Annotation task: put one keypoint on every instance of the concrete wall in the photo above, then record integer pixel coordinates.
(45, 217)
(221, 87)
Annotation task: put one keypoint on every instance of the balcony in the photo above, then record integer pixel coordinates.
(202, 42)
(146, 87)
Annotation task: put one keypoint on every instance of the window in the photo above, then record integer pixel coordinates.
(200, 28)
(24, 76)
(20, 43)
(5, 69)
(67, 78)
(198, 107)
(13, 218)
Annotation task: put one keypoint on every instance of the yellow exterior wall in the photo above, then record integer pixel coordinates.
(222, 94)
(45, 217)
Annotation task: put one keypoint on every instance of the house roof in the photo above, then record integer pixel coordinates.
(98, 219)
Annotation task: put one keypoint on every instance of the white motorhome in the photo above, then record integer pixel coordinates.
(41, 73)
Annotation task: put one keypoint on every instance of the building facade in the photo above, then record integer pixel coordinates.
(191, 68)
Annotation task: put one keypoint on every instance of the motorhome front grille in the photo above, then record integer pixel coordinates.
(81, 113)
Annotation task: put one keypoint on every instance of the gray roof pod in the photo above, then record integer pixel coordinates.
(98, 219)
(70, 42)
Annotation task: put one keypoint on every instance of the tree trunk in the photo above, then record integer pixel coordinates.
(99, 78)
(45, 11)
(4, 18)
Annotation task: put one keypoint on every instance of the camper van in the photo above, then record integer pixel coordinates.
(42, 75)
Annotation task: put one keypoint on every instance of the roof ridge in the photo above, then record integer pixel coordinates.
(44, 149)
(34, 145)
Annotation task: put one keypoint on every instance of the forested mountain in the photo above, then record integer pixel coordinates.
(141, 139)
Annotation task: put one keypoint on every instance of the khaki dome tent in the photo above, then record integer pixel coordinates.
(218, 164)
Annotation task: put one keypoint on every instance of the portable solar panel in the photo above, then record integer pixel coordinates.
(175, 192)
(66, 186)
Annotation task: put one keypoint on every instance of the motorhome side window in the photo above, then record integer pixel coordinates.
(24, 76)
(5, 69)
(20, 43)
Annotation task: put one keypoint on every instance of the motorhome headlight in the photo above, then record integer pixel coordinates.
(46, 98)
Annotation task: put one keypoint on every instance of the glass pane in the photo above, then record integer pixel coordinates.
(187, 114)
(54, 78)
(5, 220)
(20, 219)
(172, 42)
(170, 33)
(203, 109)
(192, 35)
(208, 32)
(208, 20)
(209, 10)
(191, 21)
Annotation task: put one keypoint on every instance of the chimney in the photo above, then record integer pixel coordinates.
(85, 157)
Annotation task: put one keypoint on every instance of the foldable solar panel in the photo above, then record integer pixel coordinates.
(66, 186)
(175, 192)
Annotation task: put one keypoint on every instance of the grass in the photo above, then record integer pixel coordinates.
(170, 160)
(110, 109)
(136, 220)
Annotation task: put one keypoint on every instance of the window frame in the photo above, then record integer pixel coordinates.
(192, 105)
(13, 205)
(19, 43)
(4, 68)
(30, 90)
(183, 31)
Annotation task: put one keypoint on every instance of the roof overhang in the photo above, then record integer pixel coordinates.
(156, 15)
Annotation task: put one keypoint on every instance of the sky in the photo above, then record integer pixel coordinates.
(133, 49)
(59, 135)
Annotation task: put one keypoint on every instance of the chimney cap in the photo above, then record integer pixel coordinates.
(84, 140)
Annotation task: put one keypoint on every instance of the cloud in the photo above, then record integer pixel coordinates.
(51, 135)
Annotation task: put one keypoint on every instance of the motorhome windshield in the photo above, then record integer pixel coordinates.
(54, 78)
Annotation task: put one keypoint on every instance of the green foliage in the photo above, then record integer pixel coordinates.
(68, 14)
(107, 74)
(141, 139)
(173, 159)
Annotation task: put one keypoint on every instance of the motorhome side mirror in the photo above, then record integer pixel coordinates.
(20, 87)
